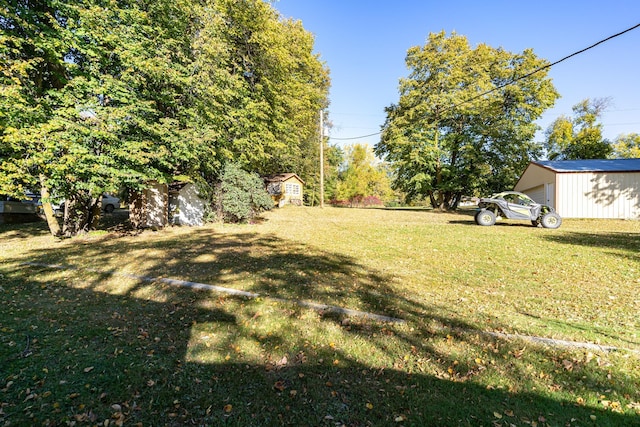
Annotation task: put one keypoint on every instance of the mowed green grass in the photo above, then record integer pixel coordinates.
(91, 344)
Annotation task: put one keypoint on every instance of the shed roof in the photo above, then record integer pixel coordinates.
(281, 177)
(175, 187)
(595, 165)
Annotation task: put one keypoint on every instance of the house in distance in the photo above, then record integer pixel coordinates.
(285, 188)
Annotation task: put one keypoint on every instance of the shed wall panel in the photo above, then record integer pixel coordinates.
(186, 206)
(599, 195)
(533, 176)
(537, 194)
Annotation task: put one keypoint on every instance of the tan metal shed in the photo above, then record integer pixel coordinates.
(585, 188)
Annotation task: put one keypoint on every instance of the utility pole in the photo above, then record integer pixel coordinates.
(321, 159)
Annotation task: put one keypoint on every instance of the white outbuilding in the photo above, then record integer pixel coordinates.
(186, 207)
(585, 188)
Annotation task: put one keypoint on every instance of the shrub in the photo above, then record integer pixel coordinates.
(336, 202)
(372, 201)
(242, 195)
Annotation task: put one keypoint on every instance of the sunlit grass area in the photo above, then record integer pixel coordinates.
(101, 339)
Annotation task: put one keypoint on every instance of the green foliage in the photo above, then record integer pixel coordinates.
(580, 137)
(627, 146)
(334, 159)
(276, 87)
(97, 98)
(362, 176)
(109, 117)
(464, 123)
(243, 195)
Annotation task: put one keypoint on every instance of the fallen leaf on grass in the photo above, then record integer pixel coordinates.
(227, 408)
(88, 369)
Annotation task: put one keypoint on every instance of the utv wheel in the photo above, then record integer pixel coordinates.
(485, 217)
(535, 222)
(551, 220)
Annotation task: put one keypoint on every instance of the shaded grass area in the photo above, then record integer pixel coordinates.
(82, 347)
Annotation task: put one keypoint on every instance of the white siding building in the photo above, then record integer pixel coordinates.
(185, 205)
(585, 188)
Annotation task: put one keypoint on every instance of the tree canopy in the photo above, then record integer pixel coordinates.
(579, 137)
(465, 120)
(101, 95)
(627, 146)
(362, 177)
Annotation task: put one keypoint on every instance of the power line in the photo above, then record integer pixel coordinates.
(356, 137)
(537, 70)
(619, 110)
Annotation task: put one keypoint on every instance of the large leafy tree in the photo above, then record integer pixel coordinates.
(98, 92)
(465, 121)
(627, 146)
(579, 137)
(258, 90)
(100, 95)
(277, 87)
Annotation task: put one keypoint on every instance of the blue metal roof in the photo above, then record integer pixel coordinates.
(600, 165)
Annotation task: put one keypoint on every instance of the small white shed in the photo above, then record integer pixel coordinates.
(185, 205)
(148, 207)
(585, 188)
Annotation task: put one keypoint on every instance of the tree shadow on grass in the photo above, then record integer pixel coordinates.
(584, 327)
(624, 241)
(160, 354)
(26, 230)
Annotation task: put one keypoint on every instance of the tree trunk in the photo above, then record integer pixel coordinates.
(432, 200)
(456, 201)
(94, 214)
(76, 218)
(52, 221)
(69, 227)
(219, 209)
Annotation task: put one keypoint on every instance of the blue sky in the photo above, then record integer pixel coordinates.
(364, 42)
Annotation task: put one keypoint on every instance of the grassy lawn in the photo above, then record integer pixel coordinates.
(93, 344)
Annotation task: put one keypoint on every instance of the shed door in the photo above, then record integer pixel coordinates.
(550, 194)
